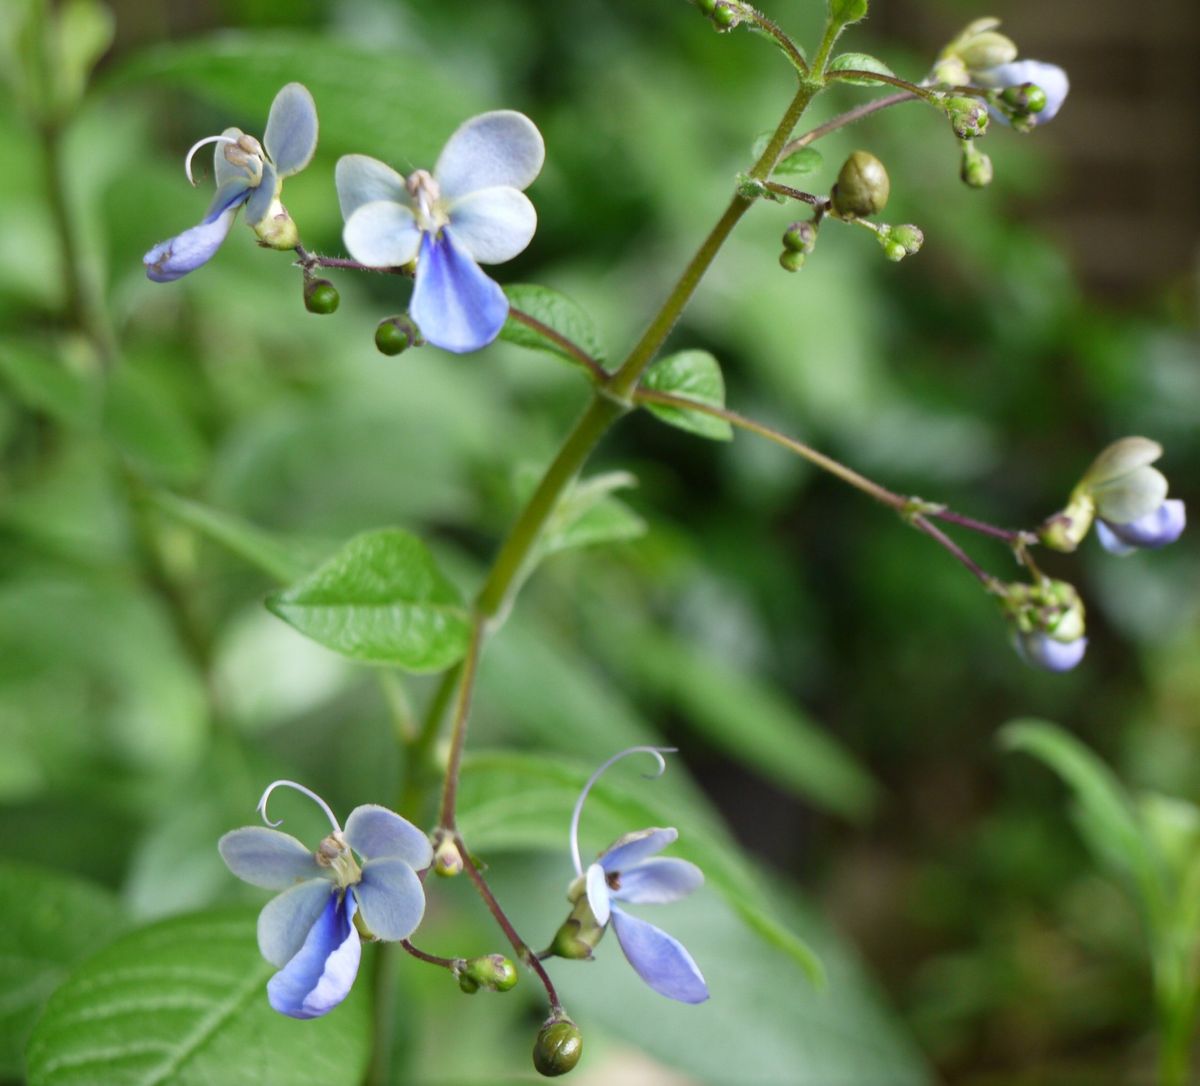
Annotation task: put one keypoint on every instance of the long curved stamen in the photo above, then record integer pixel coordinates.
(262, 803)
(658, 753)
(187, 163)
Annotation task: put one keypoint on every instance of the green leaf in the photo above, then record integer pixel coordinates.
(694, 375)
(44, 380)
(48, 922)
(563, 323)
(753, 724)
(85, 31)
(283, 559)
(242, 71)
(524, 801)
(588, 515)
(861, 62)
(805, 160)
(183, 1003)
(381, 599)
(1105, 813)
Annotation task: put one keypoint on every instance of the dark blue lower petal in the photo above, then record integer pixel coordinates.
(1156, 529)
(170, 260)
(319, 977)
(455, 305)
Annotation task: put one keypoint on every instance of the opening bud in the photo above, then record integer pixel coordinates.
(901, 241)
(493, 972)
(986, 49)
(447, 860)
(1048, 623)
(558, 1047)
(395, 335)
(320, 296)
(968, 116)
(800, 237)
(862, 187)
(275, 229)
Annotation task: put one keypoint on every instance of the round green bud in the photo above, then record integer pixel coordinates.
(894, 251)
(800, 237)
(862, 187)
(976, 169)
(320, 296)
(968, 116)
(791, 260)
(447, 860)
(493, 971)
(706, 6)
(847, 11)
(558, 1047)
(911, 237)
(1024, 99)
(394, 336)
(468, 984)
(725, 18)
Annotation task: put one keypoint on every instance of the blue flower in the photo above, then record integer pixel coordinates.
(1155, 529)
(628, 872)
(310, 931)
(469, 211)
(1048, 623)
(245, 173)
(1038, 649)
(1050, 78)
(1130, 498)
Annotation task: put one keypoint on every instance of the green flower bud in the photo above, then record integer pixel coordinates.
(706, 6)
(724, 17)
(1024, 99)
(862, 187)
(320, 296)
(790, 260)
(986, 49)
(395, 335)
(469, 985)
(493, 972)
(909, 236)
(968, 116)
(976, 168)
(847, 11)
(558, 1047)
(447, 860)
(800, 237)
(893, 250)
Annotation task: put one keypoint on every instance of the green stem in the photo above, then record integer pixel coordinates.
(458, 732)
(833, 31)
(411, 801)
(623, 382)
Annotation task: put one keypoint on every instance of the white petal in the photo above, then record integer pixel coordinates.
(382, 234)
(361, 179)
(391, 898)
(498, 148)
(285, 920)
(656, 882)
(376, 833)
(493, 225)
(597, 893)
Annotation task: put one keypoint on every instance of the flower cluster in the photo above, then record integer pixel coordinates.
(311, 931)
(250, 173)
(629, 870)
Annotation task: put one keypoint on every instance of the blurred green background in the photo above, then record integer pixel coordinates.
(833, 681)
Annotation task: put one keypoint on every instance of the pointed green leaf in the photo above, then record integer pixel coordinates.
(524, 801)
(381, 599)
(184, 1003)
(588, 515)
(555, 323)
(805, 160)
(694, 375)
(861, 62)
(48, 923)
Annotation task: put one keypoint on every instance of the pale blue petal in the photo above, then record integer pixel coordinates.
(1050, 77)
(170, 260)
(319, 977)
(1156, 529)
(455, 305)
(260, 198)
(1130, 496)
(661, 961)
(268, 858)
(376, 833)
(493, 225)
(382, 234)
(285, 920)
(231, 194)
(635, 847)
(361, 179)
(291, 133)
(598, 894)
(498, 148)
(225, 171)
(656, 882)
(1042, 651)
(391, 897)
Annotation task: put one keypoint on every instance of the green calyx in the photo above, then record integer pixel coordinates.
(1048, 606)
(558, 1047)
